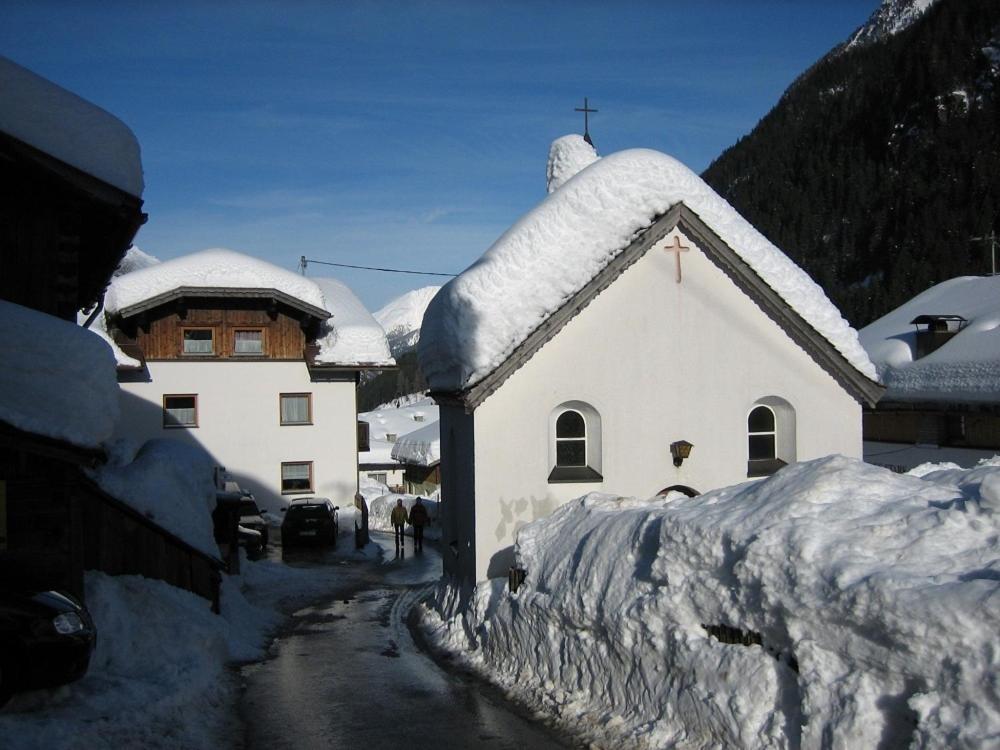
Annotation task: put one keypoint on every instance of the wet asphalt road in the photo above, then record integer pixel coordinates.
(347, 673)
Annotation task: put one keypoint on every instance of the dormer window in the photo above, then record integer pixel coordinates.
(933, 331)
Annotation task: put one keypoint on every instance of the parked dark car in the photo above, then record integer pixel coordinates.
(310, 520)
(46, 640)
(251, 518)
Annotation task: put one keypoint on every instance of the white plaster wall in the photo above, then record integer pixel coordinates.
(239, 422)
(661, 362)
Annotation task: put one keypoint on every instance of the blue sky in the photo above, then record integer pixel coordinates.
(404, 134)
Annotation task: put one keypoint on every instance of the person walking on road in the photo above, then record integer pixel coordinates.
(398, 518)
(418, 519)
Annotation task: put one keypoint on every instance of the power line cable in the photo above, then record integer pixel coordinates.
(304, 261)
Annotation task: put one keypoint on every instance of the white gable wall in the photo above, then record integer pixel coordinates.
(239, 422)
(660, 362)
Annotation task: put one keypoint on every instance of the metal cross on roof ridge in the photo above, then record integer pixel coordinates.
(586, 119)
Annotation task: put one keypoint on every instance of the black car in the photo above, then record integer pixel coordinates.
(46, 640)
(310, 520)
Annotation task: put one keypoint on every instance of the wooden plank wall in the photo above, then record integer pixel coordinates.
(162, 337)
(119, 541)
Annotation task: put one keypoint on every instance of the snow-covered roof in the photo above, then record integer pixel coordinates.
(567, 156)
(401, 318)
(965, 369)
(69, 128)
(351, 336)
(390, 419)
(57, 380)
(477, 320)
(422, 447)
(209, 269)
(169, 482)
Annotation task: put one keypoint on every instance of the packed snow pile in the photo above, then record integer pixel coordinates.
(169, 482)
(964, 369)
(61, 124)
(57, 380)
(835, 604)
(213, 268)
(401, 318)
(567, 156)
(477, 320)
(351, 335)
(421, 447)
(381, 509)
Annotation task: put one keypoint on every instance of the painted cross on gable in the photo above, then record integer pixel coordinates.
(677, 248)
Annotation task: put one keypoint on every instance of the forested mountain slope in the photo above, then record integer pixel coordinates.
(880, 163)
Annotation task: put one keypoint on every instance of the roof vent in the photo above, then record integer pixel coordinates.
(933, 331)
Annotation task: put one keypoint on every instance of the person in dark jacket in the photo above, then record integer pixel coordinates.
(418, 519)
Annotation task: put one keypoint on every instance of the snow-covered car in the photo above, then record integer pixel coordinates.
(252, 519)
(310, 520)
(46, 639)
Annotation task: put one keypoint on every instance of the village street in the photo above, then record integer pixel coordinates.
(346, 672)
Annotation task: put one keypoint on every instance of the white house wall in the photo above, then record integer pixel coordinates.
(661, 362)
(239, 423)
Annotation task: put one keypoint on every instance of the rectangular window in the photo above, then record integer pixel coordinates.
(249, 342)
(296, 477)
(296, 408)
(381, 477)
(198, 341)
(364, 436)
(180, 411)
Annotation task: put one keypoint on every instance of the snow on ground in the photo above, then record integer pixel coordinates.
(57, 380)
(902, 457)
(351, 335)
(965, 369)
(213, 269)
(381, 508)
(477, 320)
(61, 124)
(873, 597)
(567, 156)
(401, 318)
(398, 420)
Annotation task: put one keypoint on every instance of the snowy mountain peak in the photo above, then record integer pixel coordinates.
(567, 156)
(402, 317)
(891, 17)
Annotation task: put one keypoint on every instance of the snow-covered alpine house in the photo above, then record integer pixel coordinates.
(939, 357)
(629, 334)
(255, 363)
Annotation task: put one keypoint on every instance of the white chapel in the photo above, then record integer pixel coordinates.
(631, 333)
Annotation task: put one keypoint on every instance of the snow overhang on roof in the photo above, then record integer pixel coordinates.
(273, 295)
(72, 130)
(484, 324)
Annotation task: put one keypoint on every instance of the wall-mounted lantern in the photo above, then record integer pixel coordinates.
(680, 450)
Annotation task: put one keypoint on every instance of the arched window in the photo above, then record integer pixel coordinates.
(770, 436)
(571, 439)
(575, 443)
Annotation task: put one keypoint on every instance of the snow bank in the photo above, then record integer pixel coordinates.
(421, 447)
(858, 608)
(401, 318)
(209, 268)
(158, 678)
(61, 124)
(351, 336)
(567, 156)
(169, 482)
(57, 380)
(477, 319)
(965, 369)
(381, 508)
